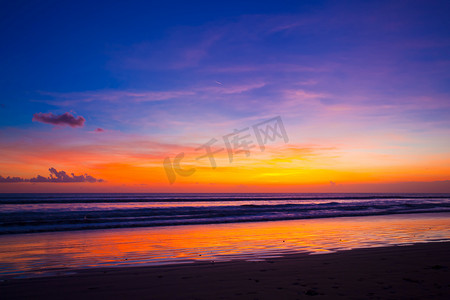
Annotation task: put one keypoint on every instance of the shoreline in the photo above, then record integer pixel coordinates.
(60, 253)
(387, 215)
(419, 271)
(381, 214)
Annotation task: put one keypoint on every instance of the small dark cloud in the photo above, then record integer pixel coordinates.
(99, 130)
(11, 179)
(59, 120)
(55, 176)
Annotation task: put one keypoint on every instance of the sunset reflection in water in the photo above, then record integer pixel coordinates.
(47, 253)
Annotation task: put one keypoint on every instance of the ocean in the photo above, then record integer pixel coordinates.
(27, 213)
(57, 234)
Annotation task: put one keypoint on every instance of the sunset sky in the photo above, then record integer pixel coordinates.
(108, 91)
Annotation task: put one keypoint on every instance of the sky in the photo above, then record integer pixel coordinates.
(129, 96)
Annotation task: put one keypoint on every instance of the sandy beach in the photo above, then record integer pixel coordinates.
(418, 271)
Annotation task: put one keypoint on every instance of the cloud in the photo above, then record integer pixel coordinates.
(60, 120)
(118, 96)
(99, 130)
(11, 179)
(182, 48)
(55, 176)
(231, 89)
(142, 96)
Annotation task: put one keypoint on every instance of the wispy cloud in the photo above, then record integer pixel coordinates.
(118, 96)
(184, 48)
(199, 91)
(232, 88)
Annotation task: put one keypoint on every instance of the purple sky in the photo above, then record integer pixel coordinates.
(362, 86)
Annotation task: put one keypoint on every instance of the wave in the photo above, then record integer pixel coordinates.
(58, 217)
(166, 197)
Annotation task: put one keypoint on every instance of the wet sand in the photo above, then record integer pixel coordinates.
(420, 271)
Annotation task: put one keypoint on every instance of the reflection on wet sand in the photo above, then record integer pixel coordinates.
(44, 253)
